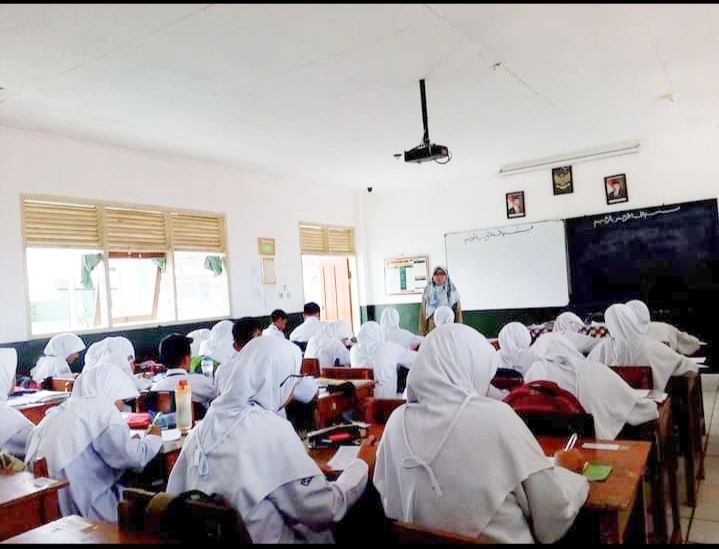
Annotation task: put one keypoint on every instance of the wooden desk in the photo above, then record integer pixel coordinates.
(27, 502)
(35, 412)
(75, 529)
(330, 406)
(156, 473)
(619, 500)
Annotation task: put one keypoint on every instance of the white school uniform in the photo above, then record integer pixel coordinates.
(203, 390)
(86, 442)
(681, 342)
(310, 327)
(515, 352)
(628, 345)
(273, 330)
(389, 322)
(569, 325)
(429, 467)
(54, 362)
(382, 356)
(118, 351)
(327, 347)
(14, 427)
(245, 451)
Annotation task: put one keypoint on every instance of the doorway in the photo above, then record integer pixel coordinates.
(330, 282)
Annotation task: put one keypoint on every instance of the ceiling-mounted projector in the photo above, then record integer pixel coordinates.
(426, 151)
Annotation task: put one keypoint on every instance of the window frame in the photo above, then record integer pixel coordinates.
(106, 256)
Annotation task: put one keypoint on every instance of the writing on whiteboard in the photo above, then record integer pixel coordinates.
(497, 233)
(609, 218)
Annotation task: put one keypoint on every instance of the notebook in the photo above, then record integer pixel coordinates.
(343, 457)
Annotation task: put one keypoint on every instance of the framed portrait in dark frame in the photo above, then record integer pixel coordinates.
(515, 205)
(562, 180)
(615, 187)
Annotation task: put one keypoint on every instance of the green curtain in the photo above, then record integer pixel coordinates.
(160, 262)
(88, 264)
(214, 263)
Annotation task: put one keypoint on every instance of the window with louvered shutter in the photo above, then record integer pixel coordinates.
(194, 232)
(135, 230)
(340, 240)
(321, 239)
(53, 225)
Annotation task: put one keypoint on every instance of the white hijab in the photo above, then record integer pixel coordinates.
(56, 353)
(341, 330)
(118, 346)
(627, 345)
(219, 345)
(198, 336)
(451, 444)
(67, 429)
(243, 449)
(443, 315)
(514, 347)
(324, 345)
(369, 342)
(600, 391)
(389, 322)
(641, 310)
(11, 421)
(570, 326)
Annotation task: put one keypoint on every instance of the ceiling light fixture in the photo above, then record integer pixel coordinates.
(574, 157)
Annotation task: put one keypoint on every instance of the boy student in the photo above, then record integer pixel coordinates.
(278, 325)
(311, 325)
(175, 355)
(243, 331)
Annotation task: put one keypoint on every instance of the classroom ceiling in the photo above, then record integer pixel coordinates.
(327, 93)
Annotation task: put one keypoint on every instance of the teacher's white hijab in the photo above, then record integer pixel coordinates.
(514, 347)
(600, 391)
(243, 449)
(451, 455)
(67, 429)
(219, 346)
(57, 351)
(443, 315)
(11, 420)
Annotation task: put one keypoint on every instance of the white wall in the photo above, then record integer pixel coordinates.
(255, 205)
(413, 221)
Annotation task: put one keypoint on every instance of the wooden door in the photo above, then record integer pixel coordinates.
(336, 295)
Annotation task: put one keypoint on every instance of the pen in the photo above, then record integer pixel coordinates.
(571, 442)
(154, 420)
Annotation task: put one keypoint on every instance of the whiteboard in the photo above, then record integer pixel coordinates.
(405, 275)
(510, 267)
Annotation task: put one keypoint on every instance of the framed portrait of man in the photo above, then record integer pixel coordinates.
(515, 204)
(615, 187)
(562, 182)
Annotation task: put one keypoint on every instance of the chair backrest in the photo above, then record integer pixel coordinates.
(638, 377)
(378, 410)
(406, 533)
(311, 367)
(347, 373)
(59, 384)
(547, 409)
(189, 517)
(506, 378)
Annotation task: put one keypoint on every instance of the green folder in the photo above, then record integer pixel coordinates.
(597, 473)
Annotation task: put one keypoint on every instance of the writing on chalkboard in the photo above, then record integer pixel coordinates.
(486, 235)
(642, 214)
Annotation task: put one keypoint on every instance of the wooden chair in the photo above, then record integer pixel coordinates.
(637, 377)
(378, 410)
(508, 379)
(310, 367)
(347, 373)
(185, 520)
(406, 533)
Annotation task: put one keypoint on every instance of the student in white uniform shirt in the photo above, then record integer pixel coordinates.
(245, 451)
(600, 391)
(443, 315)
(120, 352)
(515, 352)
(175, 355)
(328, 347)
(570, 325)
(455, 460)
(14, 427)
(310, 326)
(389, 321)
(197, 337)
(244, 331)
(278, 324)
(59, 353)
(372, 351)
(628, 345)
(86, 442)
(681, 342)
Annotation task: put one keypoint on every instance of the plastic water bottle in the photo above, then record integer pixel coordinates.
(183, 403)
(207, 366)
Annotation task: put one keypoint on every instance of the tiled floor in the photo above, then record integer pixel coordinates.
(701, 525)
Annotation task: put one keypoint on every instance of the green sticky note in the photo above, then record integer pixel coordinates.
(597, 473)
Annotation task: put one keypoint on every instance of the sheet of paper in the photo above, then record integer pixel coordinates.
(643, 393)
(39, 396)
(698, 359)
(600, 446)
(139, 433)
(343, 457)
(170, 435)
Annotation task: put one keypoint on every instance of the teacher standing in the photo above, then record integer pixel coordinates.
(440, 291)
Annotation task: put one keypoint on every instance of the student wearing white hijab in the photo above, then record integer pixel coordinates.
(455, 460)
(570, 325)
(247, 452)
(389, 322)
(197, 337)
(600, 391)
(681, 342)
(328, 347)
(61, 351)
(515, 350)
(118, 351)
(310, 326)
(372, 351)
(14, 427)
(440, 291)
(628, 345)
(86, 442)
(443, 315)
(219, 345)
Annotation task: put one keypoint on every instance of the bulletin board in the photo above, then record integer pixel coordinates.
(406, 275)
